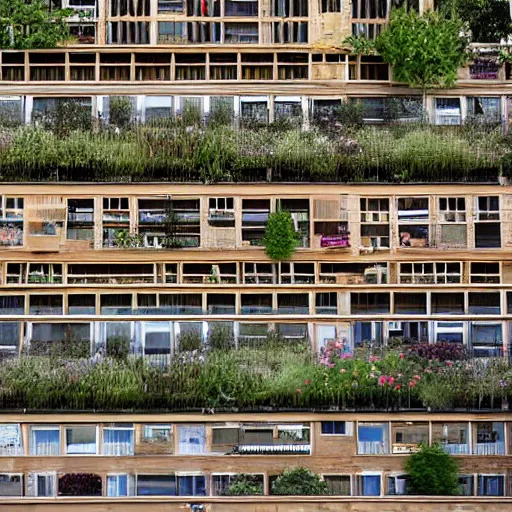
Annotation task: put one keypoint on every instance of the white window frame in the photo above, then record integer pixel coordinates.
(65, 428)
(46, 474)
(32, 443)
(351, 481)
(116, 476)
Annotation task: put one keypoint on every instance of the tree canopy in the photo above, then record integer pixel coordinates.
(432, 472)
(30, 24)
(426, 50)
(280, 238)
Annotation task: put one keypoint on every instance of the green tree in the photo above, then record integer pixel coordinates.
(28, 24)
(299, 482)
(432, 472)
(426, 50)
(280, 238)
(488, 20)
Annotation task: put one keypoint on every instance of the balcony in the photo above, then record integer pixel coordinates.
(273, 449)
(497, 448)
(372, 448)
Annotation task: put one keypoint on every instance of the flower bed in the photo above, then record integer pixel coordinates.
(268, 378)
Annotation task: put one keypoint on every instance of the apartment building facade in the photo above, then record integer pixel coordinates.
(263, 59)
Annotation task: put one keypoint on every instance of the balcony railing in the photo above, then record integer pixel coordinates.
(372, 448)
(497, 448)
(456, 449)
(274, 449)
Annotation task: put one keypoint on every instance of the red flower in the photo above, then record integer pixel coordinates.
(449, 363)
(402, 355)
(398, 387)
(412, 384)
(417, 377)
(382, 380)
(307, 382)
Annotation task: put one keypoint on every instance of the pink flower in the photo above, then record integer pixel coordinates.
(449, 363)
(417, 377)
(402, 355)
(412, 384)
(307, 382)
(398, 387)
(382, 380)
(391, 381)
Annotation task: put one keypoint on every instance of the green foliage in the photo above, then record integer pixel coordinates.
(432, 472)
(488, 20)
(68, 116)
(425, 51)
(118, 347)
(190, 341)
(29, 25)
(299, 482)
(121, 111)
(280, 238)
(245, 485)
(360, 44)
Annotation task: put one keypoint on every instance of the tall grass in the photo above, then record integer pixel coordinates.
(174, 151)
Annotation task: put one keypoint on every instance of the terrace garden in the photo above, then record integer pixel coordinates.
(337, 147)
(275, 375)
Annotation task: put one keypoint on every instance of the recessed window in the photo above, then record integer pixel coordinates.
(334, 428)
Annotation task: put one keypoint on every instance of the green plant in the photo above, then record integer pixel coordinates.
(190, 341)
(432, 472)
(280, 239)
(245, 485)
(121, 111)
(426, 50)
(360, 44)
(28, 25)
(118, 347)
(69, 115)
(299, 482)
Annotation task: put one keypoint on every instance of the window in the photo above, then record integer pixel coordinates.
(44, 440)
(118, 440)
(374, 222)
(11, 485)
(192, 439)
(156, 485)
(169, 6)
(260, 273)
(410, 303)
(488, 208)
(334, 428)
(117, 485)
(486, 339)
(367, 332)
(486, 109)
(466, 485)
(10, 440)
(409, 332)
(46, 305)
(255, 213)
(491, 485)
(296, 273)
(221, 212)
(452, 209)
(45, 484)
(484, 303)
(485, 272)
(369, 303)
(80, 222)
(369, 485)
(326, 303)
(157, 433)
(407, 436)
(453, 437)
(12, 305)
(447, 303)
(81, 440)
(373, 439)
(489, 438)
(9, 337)
(448, 111)
(191, 485)
(338, 485)
(293, 304)
(397, 485)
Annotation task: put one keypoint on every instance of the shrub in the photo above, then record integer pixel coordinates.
(118, 347)
(432, 472)
(245, 485)
(299, 482)
(438, 351)
(280, 238)
(190, 341)
(121, 111)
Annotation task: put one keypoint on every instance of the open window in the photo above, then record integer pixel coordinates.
(413, 222)
(408, 436)
(81, 440)
(430, 273)
(374, 222)
(80, 221)
(221, 212)
(488, 438)
(369, 303)
(453, 437)
(487, 225)
(353, 273)
(255, 213)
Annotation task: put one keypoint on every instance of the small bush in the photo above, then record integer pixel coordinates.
(118, 347)
(438, 351)
(79, 484)
(190, 341)
(245, 485)
(432, 472)
(280, 238)
(299, 482)
(121, 111)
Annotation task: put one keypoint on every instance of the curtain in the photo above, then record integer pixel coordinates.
(117, 485)
(370, 485)
(118, 441)
(192, 440)
(45, 442)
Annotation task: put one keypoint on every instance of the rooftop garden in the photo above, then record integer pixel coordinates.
(338, 147)
(276, 375)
